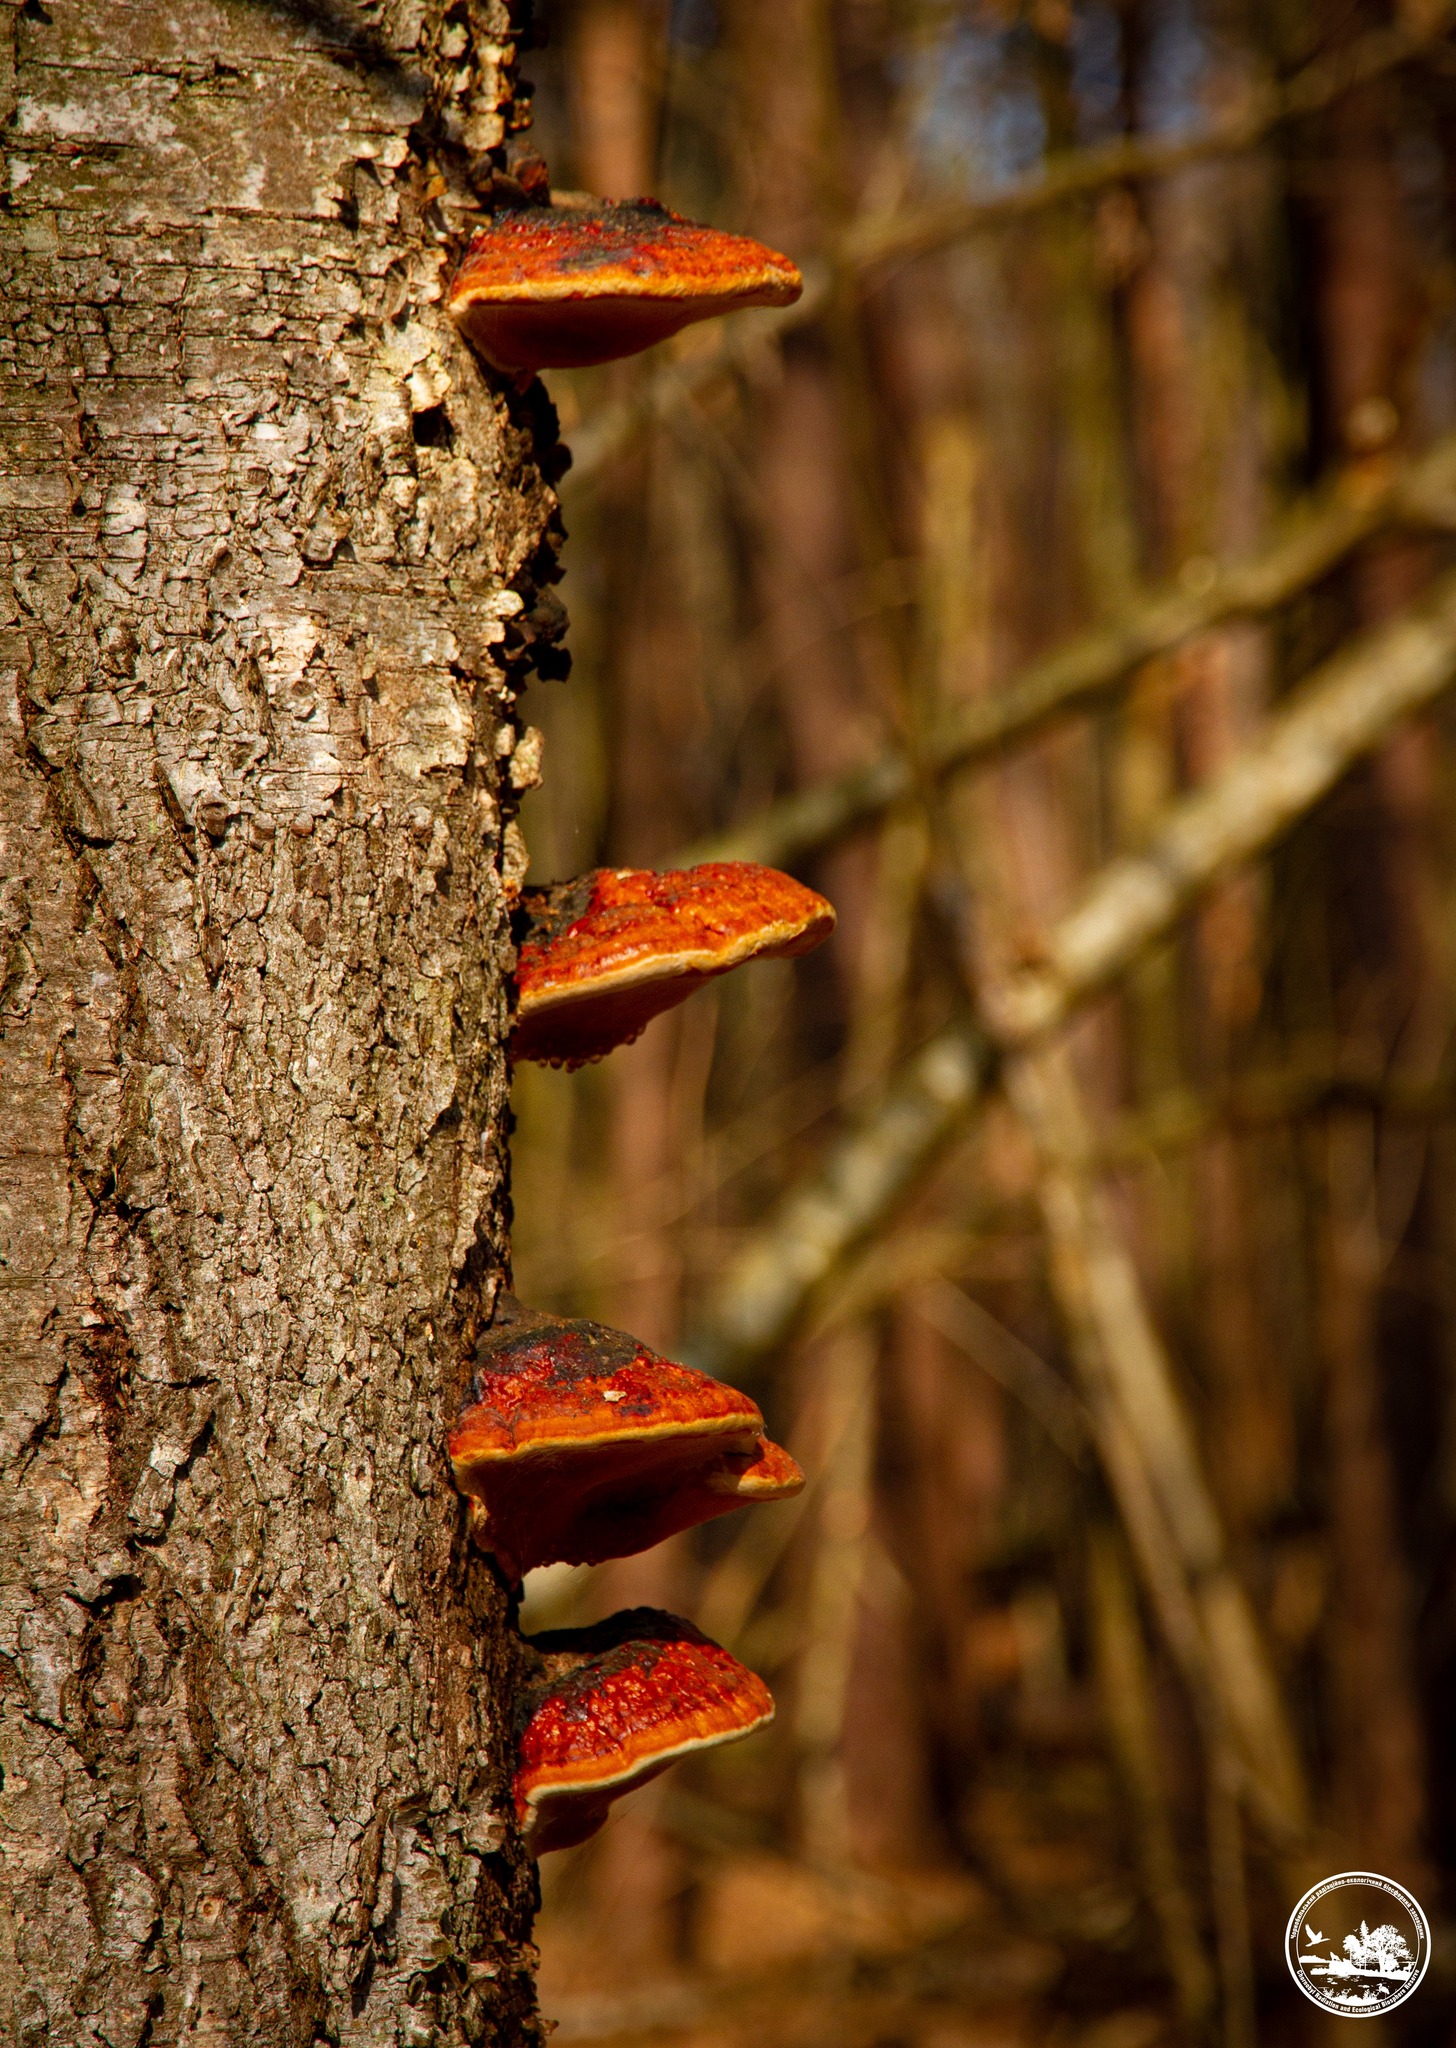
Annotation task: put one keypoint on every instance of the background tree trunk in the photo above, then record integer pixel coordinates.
(270, 524)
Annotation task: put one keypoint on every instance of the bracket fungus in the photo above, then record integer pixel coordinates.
(613, 1707)
(602, 955)
(576, 1443)
(558, 287)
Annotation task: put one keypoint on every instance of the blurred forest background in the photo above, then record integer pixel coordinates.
(1065, 588)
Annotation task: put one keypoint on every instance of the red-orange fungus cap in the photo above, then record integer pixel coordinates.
(557, 287)
(603, 955)
(578, 1444)
(614, 1706)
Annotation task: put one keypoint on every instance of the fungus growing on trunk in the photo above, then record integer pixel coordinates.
(602, 955)
(613, 1706)
(557, 287)
(576, 1443)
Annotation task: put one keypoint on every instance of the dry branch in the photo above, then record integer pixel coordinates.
(1339, 714)
(1333, 719)
(1075, 174)
(1313, 541)
(1013, 1365)
(1126, 1375)
(832, 1604)
(1305, 1088)
(1129, 1710)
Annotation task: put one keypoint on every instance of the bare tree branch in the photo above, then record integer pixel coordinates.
(1350, 510)
(1340, 713)
(1124, 1367)
(1074, 174)
(1125, 1684)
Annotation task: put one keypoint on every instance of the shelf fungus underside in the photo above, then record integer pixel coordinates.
(603, 955)
(576, 1444)
(614, 1707)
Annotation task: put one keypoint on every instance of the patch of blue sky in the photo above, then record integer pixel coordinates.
(1175, 72)
(1096, 49)
(974, 115)
(693, 25)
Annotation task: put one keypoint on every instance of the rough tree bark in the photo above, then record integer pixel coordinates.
(277, 552)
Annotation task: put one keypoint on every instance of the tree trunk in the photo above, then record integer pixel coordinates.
(269, 521)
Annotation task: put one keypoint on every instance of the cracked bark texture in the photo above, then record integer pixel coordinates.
(276, 549)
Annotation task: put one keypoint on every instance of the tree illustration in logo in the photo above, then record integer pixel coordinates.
(1379, 1953)
(1383, 1951)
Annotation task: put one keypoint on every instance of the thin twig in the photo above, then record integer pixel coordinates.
(1260, 1100)
(1013, 1365)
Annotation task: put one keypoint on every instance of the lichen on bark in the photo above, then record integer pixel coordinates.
(276, 554)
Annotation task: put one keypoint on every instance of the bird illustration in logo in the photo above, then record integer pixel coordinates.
(1310, 1933)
